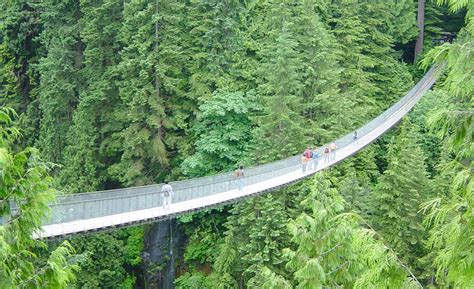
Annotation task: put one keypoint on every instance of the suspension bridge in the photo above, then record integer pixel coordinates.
(101, 210)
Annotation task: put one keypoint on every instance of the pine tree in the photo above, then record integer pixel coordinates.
(19, 52)
(397, 197)
(323, 257)
(214, 46)
(333, 250)
(450, 217)
(58, 69)
(149, 79)
(323, 105)
(266, 235)
(372, 76)
(256, 233)
(88, 151)
(281, 132)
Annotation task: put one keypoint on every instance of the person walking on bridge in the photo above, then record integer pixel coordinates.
(167, 194)
(333, 149)
(355, 137)
(239, 174)
(327, 152)
(315, 157)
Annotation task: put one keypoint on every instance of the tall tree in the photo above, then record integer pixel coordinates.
(420, 19)
(214, 46)
(451, 217)
(95, 119)
(372, 72)
(332, 250)
(19, 52)
(281, 127)
(323, 105)
(397, 197)
(58, 69)
(151, 49)
(223, 131)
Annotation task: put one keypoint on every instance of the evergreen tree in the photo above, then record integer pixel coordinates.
(396, 199)
(58, 69)
(148, 80)
(372, 74)
(214, 46)
(451, 217)
(281, 127)
(332, 250)
(256, 233)
(323, 257)
(19, 27)
(88, 152)
(266, 236)
(324, 106)
(25, 193)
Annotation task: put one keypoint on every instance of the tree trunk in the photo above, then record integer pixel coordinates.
(421, 29)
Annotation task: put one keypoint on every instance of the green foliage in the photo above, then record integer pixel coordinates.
(94, 121)
(321, 76)
(322, 257)
(396, 199)
(133, 92)
(450, 217)
(19, 27)
(192, 281)
(58, 71)
(281, 129)
(332, 250)
(25, 192)
(107, 257)
(224, 133)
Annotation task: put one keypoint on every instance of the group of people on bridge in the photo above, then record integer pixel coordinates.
(309, 161)
(311, 157)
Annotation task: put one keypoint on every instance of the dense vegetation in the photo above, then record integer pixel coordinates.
(121, 93)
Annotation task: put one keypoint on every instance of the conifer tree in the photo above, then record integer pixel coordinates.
(397, 197)
(323, 256)
(323, 105)
(19, 52)
(333, 250)
(266, 235)
(371, 74)
(214, 46)
(451, 217)
(88, 150)
(281, 127)
(58, 70)
(148, 67)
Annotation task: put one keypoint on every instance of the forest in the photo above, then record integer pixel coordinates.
(105, 94)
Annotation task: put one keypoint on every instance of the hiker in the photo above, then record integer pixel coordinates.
(333, 148)
(355, 137)
(308, 154)
(167, 194)
(304, 163)
(327, 151)
(239, 174)
(314, 157)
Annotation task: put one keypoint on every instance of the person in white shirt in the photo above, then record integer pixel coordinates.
(240, 174)
(167, 194)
